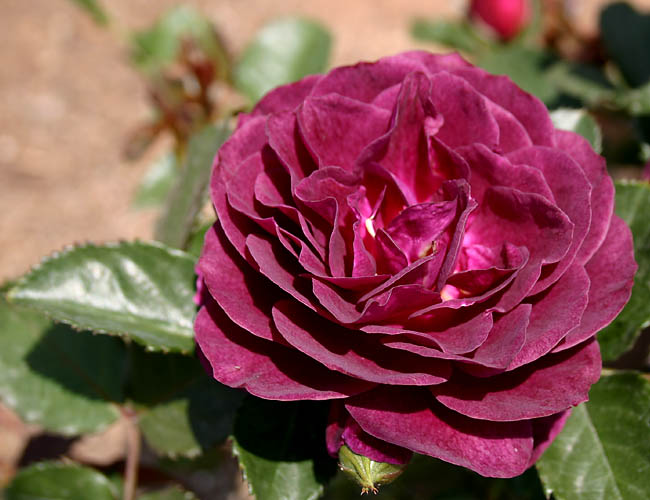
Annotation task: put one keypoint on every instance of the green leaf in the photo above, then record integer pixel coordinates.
(187, 197)
(525, 66)
(366, 472)
(603, 451)
(140, 290)
(154, 49)
(58, 481)
(281, 450)
(636, 101)
(195, 245)
(94, 8)
(580, 122)
(172, 493)
(157, 182)
(68, 382)
(633, 205)
(283, 51)
(451, 34)
(625, 33)
(183, 411)
(428, 478)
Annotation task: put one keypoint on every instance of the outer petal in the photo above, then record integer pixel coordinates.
(544, 431)
(611, 271)
(240, 291)
(265, 369)
(543, 388)
(529, 110)
(411, 418)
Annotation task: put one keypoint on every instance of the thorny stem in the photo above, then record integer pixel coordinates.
(133, 447)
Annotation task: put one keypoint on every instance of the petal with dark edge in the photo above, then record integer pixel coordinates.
(547, 386)
(265, 369)
(353, 353)
(411, 418)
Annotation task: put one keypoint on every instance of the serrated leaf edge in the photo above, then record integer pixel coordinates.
(68, 249)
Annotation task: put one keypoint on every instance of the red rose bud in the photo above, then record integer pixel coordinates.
(506, 17)
(365, 471)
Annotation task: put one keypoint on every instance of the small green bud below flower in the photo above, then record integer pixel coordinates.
(368, 473)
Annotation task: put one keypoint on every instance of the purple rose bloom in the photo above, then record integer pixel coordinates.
(413, 240)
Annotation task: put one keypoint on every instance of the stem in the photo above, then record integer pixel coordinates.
(133, 447)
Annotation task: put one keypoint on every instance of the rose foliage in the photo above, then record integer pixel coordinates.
(413, 240)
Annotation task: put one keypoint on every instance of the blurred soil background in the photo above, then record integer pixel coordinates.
(69, 98)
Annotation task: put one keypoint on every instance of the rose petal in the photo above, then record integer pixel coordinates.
(611, 271)
(572, 193)
(556, 311)
(411, 418)
(336, 129)
(544, 431)
(265, 369)
(547, 386)
(529, 110)
(353, 353)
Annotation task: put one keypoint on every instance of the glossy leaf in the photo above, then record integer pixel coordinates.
(283, 51)
(139, 290)
(187, 196)
(172, 493)
(280, 447)
(183, 411)
(95, 9)
(65, 381)
(633, 205)
(450, 34)
(157, 182)
(625, 34)
(603, 453)
(59, 481)
(154, 49)
(580, 122)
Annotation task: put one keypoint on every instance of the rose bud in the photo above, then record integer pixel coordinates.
(505, 17)
(414, 241)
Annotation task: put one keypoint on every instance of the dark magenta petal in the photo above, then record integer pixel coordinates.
(544, 431)
(265, 369)
(279, 266)
(285, 98)
(336, 129)
(512, 134)
(466, 114)
(460, 338)
(249, 140)
(285, 139)
(364, 444)
(505, 340)
(602, 194)
(416, 229)
(411, 418)
(491, 169)
(522, 219)
(572, 193)
(547, 386)
(611, 272)
(529, 110)
(353, 353)
(342, 429)
(556, 311)
(241, 292)
(403, 150)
